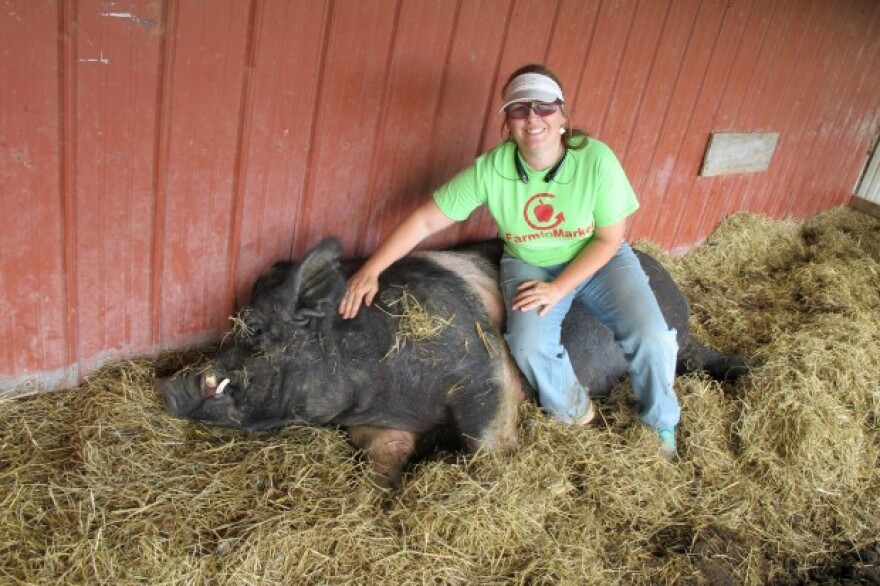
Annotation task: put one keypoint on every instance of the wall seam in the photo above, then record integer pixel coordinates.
(496, 75)
(240, 169)
(650, 232)
(380, 130)
(67, 15)
(428, 181)
(625, 151)
(160, 167)
(573, 99)
(617, 74)
(299, 241)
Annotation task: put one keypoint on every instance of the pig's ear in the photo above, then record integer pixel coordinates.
(318, 280)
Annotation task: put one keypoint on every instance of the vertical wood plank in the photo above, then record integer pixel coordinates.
(205, 109)
(466, 99)
(570, 45)
(686, 187)
(638, 60)
(602, 68)
(665, 205)
(820, 99)
(347, 120)
(402, 159)
(33, 299)
(658, 105)
(118, 50)
(770, 112)
(800, 96)
(528, 34)
(284, 76)
(68, 15)
(752, 114)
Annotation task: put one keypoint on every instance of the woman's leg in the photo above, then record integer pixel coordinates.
(619, 295)
(535, 343)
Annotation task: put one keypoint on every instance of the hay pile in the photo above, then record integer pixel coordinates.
(779, 480)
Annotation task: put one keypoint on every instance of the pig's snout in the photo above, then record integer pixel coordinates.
(178, 398)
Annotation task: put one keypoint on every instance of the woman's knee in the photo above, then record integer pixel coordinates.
(657, 343)
(530, 334)
(525, 347)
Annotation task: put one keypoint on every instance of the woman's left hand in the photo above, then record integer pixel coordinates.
(536, 295)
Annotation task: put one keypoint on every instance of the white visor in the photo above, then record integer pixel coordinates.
(532, 87)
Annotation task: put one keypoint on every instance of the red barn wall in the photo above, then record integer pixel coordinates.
(156, 155)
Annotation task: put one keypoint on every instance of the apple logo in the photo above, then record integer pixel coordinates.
(543, 211)
(539, 214)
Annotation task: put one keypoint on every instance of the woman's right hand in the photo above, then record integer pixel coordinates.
(362, 287)
(364, 284)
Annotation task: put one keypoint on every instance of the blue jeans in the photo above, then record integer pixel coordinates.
(618, 295)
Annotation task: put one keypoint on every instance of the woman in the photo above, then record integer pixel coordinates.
(560, 200)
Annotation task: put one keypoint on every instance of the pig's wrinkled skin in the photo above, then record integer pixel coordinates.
(388, 383)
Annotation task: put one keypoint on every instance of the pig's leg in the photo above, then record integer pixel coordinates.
(486, 415)
(387, 449)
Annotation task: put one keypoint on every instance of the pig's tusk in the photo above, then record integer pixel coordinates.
(221, 386)
(211, 381)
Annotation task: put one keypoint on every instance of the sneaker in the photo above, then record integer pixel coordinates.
(667, 443)
(588, 415)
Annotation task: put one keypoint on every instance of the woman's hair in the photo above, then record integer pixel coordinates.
(574, 138)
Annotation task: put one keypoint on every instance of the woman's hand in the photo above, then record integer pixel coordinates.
(362, 287)
(364, 284)
(536, 295)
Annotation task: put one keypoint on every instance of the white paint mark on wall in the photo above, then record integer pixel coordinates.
(144, 22)
(100, 59)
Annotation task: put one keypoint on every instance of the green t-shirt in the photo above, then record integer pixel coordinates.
(543, 223)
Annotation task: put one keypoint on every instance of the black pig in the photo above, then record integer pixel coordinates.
(427, 355)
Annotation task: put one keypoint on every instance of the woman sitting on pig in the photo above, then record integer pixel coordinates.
(560, 199)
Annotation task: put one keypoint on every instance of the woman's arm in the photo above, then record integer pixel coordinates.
(424, 221)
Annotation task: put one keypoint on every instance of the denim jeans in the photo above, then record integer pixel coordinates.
(618, 295)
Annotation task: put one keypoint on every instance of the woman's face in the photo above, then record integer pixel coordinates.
(535, 131)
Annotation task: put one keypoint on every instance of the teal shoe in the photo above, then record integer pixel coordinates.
(667, 443)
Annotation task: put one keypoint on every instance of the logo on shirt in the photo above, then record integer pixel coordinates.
(540, 214)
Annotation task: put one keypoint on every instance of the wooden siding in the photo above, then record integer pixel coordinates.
(156, 155)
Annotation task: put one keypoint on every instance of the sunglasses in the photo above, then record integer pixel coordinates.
(520, 110)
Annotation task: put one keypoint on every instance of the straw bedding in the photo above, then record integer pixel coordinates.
(778, 480)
